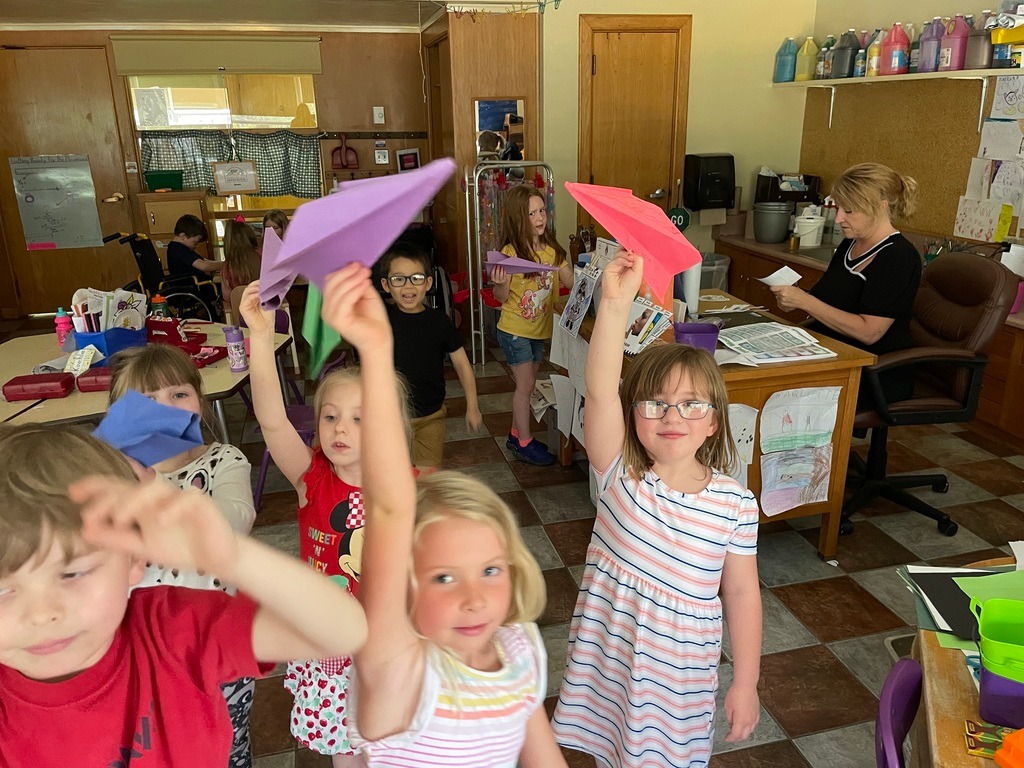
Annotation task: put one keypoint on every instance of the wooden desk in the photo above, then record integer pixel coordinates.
(948, 697)
(20, 355)
(753, 387)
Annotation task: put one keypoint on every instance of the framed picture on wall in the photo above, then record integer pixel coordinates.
(407, 159)
(237, 178)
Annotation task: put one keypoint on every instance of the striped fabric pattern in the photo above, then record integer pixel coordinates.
(484, 727)
(646, 634)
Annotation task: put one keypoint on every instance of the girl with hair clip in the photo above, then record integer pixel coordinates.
(166, 374)
(242, 259)
(674, 539)
(327, 479)
(526, 310)
(454, 670)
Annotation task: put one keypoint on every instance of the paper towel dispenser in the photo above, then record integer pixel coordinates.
(709, 181)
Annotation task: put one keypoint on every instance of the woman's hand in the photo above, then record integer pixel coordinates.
(499, 276)
(789, 297)
(622, 277)
(256, 317)
(156, 522)
(354, 309)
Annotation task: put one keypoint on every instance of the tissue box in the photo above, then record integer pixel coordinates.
(39, 386)
(702, 335)
(94, 380)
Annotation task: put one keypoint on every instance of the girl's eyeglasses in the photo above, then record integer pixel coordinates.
(399, 280)
(688, 409)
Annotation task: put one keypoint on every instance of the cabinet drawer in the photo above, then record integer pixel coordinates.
(1002, 344)
(161, 216)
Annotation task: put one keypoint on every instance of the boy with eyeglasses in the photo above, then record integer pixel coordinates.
(423, 337)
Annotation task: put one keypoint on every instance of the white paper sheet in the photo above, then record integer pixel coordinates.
(793, 478)
(558, 355)
(739, 473)
(1008, 102)
(1001, 140)
(784, 276)
(743, 424)
(576, 351)
(979, 178)
(564, 398)
(579, 404)
(985, 220)
(1008, 184)
(579, 301)
(799, 418)
(725, 356)
(1017, 547)
(1014, 260)
(542, 398)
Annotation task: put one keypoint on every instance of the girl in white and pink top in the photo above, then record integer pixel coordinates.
(453, 673)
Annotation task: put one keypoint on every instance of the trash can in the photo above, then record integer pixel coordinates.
(714, 273)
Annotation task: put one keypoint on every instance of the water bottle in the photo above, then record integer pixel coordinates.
(64, 326)
(895, 52)
(806, 58)
(158, 306)
(860, 63)
(931, 41)
(785, 62)
(953, 47)
(237, 361)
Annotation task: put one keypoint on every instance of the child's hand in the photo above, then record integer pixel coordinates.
(474, 420)
(622, 277)
(742, 710)
(499, 276)
(258, 319)
(156, 522)
(354, 309)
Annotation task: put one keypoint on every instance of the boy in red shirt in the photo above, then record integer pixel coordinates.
(91, 676)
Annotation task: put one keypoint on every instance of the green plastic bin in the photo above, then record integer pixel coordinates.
(164, 180)
(1001, 627)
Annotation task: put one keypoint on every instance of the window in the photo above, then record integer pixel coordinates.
(174, 102)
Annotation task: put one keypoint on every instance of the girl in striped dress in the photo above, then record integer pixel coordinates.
(674, 538)
(454, 670)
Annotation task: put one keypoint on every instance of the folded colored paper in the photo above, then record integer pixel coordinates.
(358, 223)
(514, 265)
(640, 227)
(147, 431)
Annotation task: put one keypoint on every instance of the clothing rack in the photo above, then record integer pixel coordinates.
(483, 208)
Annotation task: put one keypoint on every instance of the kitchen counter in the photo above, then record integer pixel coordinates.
(813, 258)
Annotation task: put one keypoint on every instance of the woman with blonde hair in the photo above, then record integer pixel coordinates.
(866, 296)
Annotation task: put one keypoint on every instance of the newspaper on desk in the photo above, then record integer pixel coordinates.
(773, 343)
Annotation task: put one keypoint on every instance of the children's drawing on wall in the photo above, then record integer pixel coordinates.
(799, 418)
(579, 302)
(743, 422)
(577, 416)
(792, 478)
(576, 350)
(1008, 102)
(565, 400)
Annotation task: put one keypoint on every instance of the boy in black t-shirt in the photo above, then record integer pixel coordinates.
(182, 259)
(423, 337)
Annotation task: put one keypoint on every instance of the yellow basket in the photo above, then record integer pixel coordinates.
(1001, 36)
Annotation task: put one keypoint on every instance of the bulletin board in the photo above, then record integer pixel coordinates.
(926, 129)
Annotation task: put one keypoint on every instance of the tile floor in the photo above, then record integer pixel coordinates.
(824, 625)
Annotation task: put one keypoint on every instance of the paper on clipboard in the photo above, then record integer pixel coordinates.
(784, 276)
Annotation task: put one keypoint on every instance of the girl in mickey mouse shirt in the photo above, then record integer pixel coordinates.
(327, 479)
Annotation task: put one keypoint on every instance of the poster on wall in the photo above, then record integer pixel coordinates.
(57, 202)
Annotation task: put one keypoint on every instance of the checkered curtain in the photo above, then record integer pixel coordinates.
(192, 152)
(288, 163)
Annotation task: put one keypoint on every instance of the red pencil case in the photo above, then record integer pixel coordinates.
(39, 386)
(203, 355)
(94, 380)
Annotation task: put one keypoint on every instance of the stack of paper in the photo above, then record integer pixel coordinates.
(773, 343)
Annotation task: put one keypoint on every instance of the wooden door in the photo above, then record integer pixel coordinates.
(447, 213)
(634, 73)
(56, 101)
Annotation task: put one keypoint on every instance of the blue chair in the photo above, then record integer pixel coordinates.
(897, 708)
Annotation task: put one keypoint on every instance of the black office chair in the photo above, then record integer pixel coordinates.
(963, 301)
(187, 296)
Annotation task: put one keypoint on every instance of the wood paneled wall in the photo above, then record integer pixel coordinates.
(927, 129)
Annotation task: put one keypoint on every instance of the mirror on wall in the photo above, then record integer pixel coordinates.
(500, 129)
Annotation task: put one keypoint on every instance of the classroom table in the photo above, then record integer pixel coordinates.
(19, 355)
(948, 698)
(754, 385)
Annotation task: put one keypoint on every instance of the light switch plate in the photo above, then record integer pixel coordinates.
(380, 157)
(378, 115)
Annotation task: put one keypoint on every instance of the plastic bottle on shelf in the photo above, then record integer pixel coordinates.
(979, 44)
(953, 48)
(844, 54)
(64, 326)
(875, 55)
(822, 63)
(864, 38)
(785, 62)
(931, 42)
(806, 58)
(895, 52)
(829, 56)
(860, 63)
(915, 48)
(237, 361)
(158, 306)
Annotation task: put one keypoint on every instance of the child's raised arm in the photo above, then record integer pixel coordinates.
(291, 455)
(604, 429)
(389, 668)
(302, 614)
